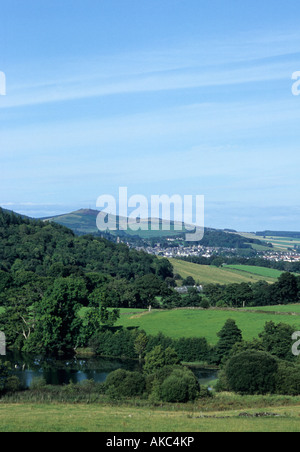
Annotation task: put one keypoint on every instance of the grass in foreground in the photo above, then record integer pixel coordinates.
(108, 418)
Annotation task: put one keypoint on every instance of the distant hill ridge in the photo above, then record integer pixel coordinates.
(83, 222)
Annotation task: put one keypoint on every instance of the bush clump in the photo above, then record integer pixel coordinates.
(181, 386)
(122, 384)
(252, 372)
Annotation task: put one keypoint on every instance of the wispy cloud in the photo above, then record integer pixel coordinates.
(197, 122)
(206, 64)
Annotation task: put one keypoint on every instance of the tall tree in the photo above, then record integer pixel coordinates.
(229, 335)
(57, 322)
(140, 345)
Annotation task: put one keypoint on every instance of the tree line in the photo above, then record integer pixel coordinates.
(286, 290)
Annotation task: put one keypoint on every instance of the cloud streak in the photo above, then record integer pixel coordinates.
(208, 64)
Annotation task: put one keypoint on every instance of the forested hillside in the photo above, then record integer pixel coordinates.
(47, 274)
(49, 249)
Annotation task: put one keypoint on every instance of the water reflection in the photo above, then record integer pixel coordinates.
(56, 371)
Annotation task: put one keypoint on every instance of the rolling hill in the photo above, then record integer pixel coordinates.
(83, 222)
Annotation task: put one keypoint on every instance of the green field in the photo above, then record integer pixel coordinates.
(208, 274)
(253, 270)
(283, 243)
(279, 243)
(289, 308)
(108, 418)
(202, 323)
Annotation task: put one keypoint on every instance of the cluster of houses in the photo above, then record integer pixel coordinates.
(179, 250)
(184, 251)
(202, 251)
(184, 289)
(286, 256)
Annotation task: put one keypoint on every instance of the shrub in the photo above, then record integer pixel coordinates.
(122, 383)
(252, 372)
(204, 304)
(12, 384)
(181, 386)
(288, 379)
(156, 379)
(159, 358)
(5, 372)
(38, 383)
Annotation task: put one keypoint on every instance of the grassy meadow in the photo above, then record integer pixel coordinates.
(203, 323)
(283, 309)
(224, 413)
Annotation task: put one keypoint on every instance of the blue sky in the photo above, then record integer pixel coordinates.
(161, 96)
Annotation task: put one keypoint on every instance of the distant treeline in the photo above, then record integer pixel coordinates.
(285, 291)
(123, 343)
(217, 238)
(294, 235)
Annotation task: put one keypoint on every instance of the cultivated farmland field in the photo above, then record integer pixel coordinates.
(279, 243)
(208, 274)
(253, 270)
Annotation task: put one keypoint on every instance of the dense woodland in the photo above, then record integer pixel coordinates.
(47, 274)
